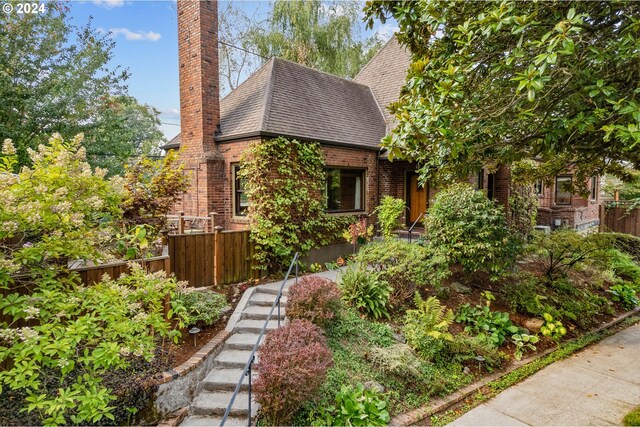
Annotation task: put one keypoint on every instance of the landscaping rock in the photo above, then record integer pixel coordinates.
(466, 371)
(399, 338)
(374, 385)
(534, 325)
(460, 288)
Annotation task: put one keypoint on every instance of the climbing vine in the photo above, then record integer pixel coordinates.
(285, 183)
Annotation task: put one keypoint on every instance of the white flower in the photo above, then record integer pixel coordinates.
(95, 202)
(31, 312)
(7, 148)
(125, 351)
(61, 192)
(9, 226)
(63, 362)
(27, 333)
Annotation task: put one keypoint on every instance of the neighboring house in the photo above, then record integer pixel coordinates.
(347, 117)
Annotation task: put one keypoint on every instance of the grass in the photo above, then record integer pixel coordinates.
(564, 350)
(632, 418)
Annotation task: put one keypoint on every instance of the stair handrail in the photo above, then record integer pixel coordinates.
(247, 368)
(413, 225)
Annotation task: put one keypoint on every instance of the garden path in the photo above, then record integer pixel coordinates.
(213, 394)
(597, 386)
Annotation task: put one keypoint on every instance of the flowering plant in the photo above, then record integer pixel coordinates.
(60, 332)
(358, 232)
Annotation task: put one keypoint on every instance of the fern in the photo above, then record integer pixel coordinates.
(427, 327)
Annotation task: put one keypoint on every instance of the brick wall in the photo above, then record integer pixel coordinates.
(199, 105)
(582, 213)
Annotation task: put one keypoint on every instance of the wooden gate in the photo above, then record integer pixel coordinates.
(208, 259)
(620, 219)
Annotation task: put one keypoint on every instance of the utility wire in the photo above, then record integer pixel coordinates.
(241, 48)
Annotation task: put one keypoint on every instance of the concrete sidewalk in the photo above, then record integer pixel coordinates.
(597, 386)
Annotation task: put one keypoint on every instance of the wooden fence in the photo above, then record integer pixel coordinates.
(207, 259)
(620, 219)
(90, 275)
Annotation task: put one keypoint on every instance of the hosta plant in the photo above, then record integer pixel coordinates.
(523, 342)
(354, 406)
(625, 295)
(552, 328)
(481, 320)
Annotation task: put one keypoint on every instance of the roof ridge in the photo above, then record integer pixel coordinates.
(246, 80)
(319, 71)
(375, 56)
(268, 96)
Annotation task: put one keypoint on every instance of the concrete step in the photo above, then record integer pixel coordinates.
(200, 421)
(232, 358)
(264, 299)
(255, 326)
(225, 379)
(272, 288)
(258, 312)
(241, 341)
(210, 403)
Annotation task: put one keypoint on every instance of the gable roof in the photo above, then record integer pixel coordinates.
(289, 99)
(385, 74)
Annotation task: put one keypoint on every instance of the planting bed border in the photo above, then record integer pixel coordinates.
(415, 416)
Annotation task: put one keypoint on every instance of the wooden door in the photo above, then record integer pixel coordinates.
(417, 196)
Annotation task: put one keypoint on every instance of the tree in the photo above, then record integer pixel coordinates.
(236, 59)
(54, 78)
(122, 129)
(495, 82)
(317, 34)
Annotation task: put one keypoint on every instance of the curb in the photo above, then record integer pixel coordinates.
(420, 414)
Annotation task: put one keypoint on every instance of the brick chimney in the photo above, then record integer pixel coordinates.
(200, 105)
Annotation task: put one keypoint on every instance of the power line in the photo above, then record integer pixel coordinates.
(241, 48)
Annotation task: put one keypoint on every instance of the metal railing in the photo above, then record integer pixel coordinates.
(413, 226)
(246, 372)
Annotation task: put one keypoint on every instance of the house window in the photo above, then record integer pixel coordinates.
(594, 188)
(563, 190)
(480, 179)
(345, 190)
(241, 201)
(539, 187)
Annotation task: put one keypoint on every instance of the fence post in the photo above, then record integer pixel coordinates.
(213, 220)
(181, 223)
(218, 255)
(601, 215)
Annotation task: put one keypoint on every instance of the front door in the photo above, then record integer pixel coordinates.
(417, 196)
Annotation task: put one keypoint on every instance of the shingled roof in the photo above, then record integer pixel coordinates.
(385, 74)
(289, 99)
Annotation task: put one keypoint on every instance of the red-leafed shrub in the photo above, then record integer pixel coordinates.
(292, 364)
(315, 299)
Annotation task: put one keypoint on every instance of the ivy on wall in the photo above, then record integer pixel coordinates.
(285, 183)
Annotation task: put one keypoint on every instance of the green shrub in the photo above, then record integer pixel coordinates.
(397, 360)
(365, 290)
(405, 266)
(624, 294)
(201, 309)
(624, 266)
(354, 407)
(464, 348)
(389, 213)
(563, 250)
(481, 320)
(468, 229)
(626, 243)
(427, 327)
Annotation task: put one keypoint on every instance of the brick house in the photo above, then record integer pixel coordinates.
(347, 117)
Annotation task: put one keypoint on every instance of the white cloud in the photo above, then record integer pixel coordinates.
(135, 35)
(386, 31)
(108, 4)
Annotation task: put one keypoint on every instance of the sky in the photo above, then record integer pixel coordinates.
(145, 32)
